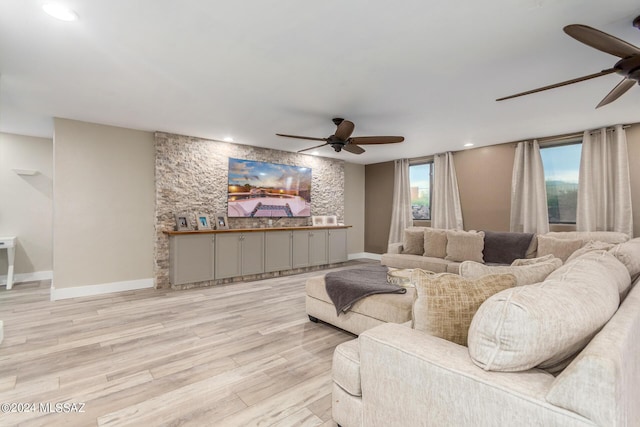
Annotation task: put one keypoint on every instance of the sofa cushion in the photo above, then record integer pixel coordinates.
(560, 248)
(346, 367)
(590, 246)
(464, 245)
(601, 236)
(546, 323)
(413, 242)
(530, 261)
(628, 253)
(437, 265)
(505, 247)
(435, 243)
(525, 274)
(446, 302)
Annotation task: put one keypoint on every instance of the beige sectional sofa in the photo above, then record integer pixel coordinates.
(423, 257)
(563, 352)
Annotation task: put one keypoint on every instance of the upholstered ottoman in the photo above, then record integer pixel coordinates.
(371, 311)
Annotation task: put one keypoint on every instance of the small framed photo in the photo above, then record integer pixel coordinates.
(202, 222)
(317, 220)
(331, 220)
(222, 222)
(182, 222)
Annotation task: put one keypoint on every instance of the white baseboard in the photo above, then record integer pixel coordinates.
(368, 255)
(104, 288)
(27, 277)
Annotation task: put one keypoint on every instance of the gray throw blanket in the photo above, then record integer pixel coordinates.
(348, 286)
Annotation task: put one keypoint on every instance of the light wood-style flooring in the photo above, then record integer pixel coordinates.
(242, 354)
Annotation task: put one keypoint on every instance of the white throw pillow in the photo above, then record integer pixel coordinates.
(546, 323)
(560, 248)
(529, 261)
(465, 246)
(628, 253)
(525, 274)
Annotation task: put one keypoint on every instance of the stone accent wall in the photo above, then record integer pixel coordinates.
(192, 178)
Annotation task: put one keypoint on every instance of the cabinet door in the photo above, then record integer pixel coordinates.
(228, 255)
(277, 252)
(318, 247)
(338, 245)
(191, 258)
(300, 257)
(252, 253)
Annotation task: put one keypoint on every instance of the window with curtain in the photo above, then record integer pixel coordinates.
(420, 178)
(561, 169)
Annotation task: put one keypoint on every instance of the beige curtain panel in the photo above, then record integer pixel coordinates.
(529, 212)
(446, 209)
(604, 192)
(401, 214)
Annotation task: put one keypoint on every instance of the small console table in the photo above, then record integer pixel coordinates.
(9, 243)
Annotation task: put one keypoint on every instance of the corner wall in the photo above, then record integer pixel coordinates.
(354, 210)
(103, 208)
(26, 205)
(378, 201)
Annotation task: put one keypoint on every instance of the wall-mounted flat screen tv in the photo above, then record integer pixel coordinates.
(260, 189)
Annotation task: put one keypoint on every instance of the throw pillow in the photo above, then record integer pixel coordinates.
(590, 246)
(446, 302)
(435, 243)
(505, 247)
(413, 242)
(464, 246)
(529, 261)
(546, 323)
(525, 274)
(560, 248)
(628, 253)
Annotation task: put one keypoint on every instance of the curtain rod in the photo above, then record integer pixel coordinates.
(567, 135)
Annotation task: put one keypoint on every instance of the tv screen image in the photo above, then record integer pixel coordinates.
(261, 189)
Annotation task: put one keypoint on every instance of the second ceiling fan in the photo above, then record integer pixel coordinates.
(628, 66)
(342, 139)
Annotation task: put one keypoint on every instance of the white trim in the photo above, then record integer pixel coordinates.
(368, 255)
(104, 288)
(27, 277)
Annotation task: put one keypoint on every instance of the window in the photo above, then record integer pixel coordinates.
(561, 168)
(420, 181)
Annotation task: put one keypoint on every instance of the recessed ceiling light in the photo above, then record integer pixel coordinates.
(227, 139)
(60, 12)
(314, 153)
(469, 144)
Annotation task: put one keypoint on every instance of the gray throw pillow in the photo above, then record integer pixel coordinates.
(505, 247)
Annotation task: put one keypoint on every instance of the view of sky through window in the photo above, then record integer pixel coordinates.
(561, 169)
(420, 182)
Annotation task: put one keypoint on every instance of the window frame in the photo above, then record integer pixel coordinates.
(420, 162)
(555, 144)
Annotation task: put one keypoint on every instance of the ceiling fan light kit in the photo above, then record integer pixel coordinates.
(628, 66)
(342, 139)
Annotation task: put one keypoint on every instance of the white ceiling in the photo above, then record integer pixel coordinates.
(428, 70)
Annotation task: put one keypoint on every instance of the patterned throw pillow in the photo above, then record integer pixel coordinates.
(446, 302)
(465, 246)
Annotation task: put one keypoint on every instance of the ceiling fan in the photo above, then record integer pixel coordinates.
(342, 139)
(628, 66)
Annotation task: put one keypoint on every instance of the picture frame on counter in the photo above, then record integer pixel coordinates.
(203, 222)
(182, 222)
(221, 220)
(331, 220)
(317, 220)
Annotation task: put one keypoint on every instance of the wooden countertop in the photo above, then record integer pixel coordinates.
(253, 230)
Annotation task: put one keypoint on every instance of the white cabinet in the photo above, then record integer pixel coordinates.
(191, 258)
(309, 248)
(337, 245)
(278, 251)
(239, 254)
(205, 256)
